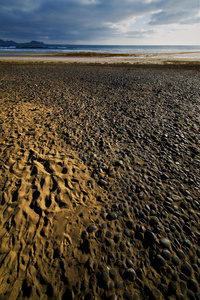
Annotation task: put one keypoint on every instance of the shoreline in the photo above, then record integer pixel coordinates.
(104, 58)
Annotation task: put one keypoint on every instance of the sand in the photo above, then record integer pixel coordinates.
(99, 181)
(105, 58)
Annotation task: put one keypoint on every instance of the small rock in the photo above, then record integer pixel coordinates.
(165, 243)
(172, 287)
(130, 224)
(180, 254)
(111, 216)
(119, 285)
(91, 228)
(102, 182)
(111, 286)
(150, 237)
(122, 246)
(129, 263)
(186, 268)
(109, 234)
(159, 260)
(103, 280)
(191, 295)
(112, 297)
(192, 285)
(175, 260)
(153, 221)
(84, 285)
(119, 163)
(113, 273)
(166, 254)
(127, 296)
(130, 274)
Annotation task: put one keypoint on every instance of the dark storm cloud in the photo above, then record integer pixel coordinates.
(73, 20)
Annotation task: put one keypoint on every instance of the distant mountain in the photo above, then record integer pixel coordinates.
(32, 44)
(7, 43)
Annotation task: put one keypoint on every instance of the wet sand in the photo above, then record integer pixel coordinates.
(100, 183)
(104, 58)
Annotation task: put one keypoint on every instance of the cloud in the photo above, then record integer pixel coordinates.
(87, 20)
(176, 12)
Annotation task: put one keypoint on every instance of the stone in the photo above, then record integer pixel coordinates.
(109, 234)
(166, 254)
(129, 263)
(84, 285)
(119, 285)
(91, 228)
(159, 260)
(191, 295)
(172, 287)
(186, 269)
(111, 216)
(112, 297)
(175, 260)
(165, 243)
(127, 296)
(154, 221)
(113, 273)
(182, 286)
(122, 246)
(149, 237)
(180, 254)
(104, 277)
(117, 238)
(130, 224)
(129, 274)
(192, 285)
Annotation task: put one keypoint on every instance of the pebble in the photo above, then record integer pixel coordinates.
(130, 224)
(91, 228)
(104, 279)
(149, 237)
(127, 296)
(159, 260)
(84, 285)
(130, 274)
(165, 243)
(119, 285)
(191, 295)
(109, 234)
(192, 285)
(129, 263)
(154, 221)
(113, 273)
(112, 297)
(111, 286)
(166, 254)
(186, 269)
(172, 288)
(111, 216)
(180, 254)
(117, 238)
(122, 246)
(175, 260)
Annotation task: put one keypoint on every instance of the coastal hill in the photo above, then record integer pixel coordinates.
(32, 44)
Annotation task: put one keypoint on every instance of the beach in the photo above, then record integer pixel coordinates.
(100, 182)
(103, 58)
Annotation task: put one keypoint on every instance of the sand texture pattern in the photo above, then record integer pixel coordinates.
(100, 182)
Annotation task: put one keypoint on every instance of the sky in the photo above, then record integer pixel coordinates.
(101, 22)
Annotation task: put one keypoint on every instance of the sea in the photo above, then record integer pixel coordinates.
(112, 49)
